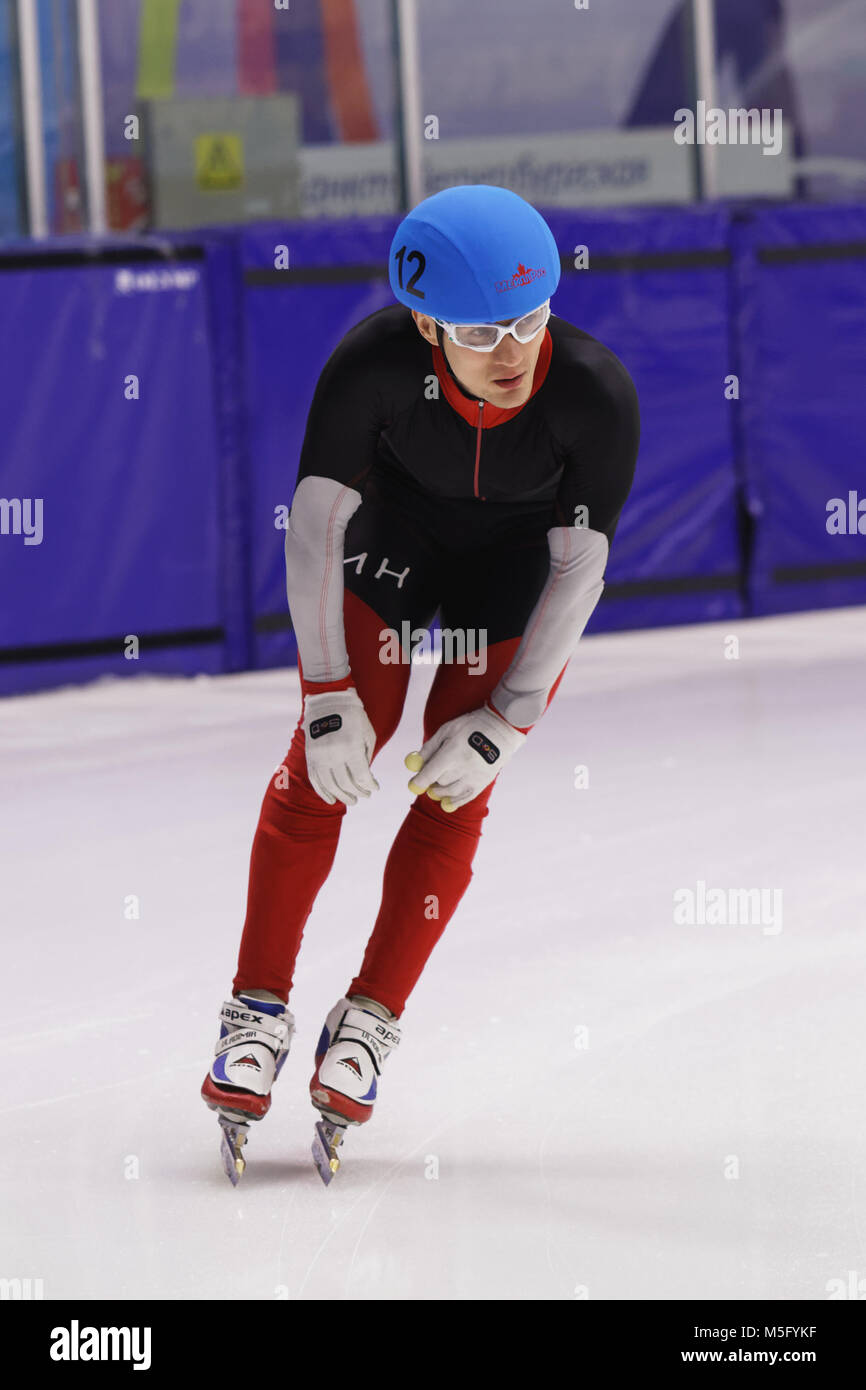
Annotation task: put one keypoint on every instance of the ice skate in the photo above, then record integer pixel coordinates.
(255, 1036)
(358, 1037)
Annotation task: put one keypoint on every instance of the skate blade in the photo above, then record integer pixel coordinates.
(234, 1137)
(326, 1140)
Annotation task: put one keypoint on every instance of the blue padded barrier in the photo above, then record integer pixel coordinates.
(161, 516)
(656, 293)
(131, 490)
(799, 290)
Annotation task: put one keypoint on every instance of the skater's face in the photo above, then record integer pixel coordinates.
(490, 375)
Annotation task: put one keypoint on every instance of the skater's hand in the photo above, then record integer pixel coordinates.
(463, 757)
(339, 741)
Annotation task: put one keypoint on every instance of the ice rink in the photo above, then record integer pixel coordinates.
(591, 1099)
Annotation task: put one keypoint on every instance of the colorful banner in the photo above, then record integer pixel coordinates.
(157, 49)
(257, 67)
(347, 77)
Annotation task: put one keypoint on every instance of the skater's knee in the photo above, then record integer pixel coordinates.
(461, 824)
(292, 807)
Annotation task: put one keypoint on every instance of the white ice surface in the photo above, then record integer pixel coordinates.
(609, 1167)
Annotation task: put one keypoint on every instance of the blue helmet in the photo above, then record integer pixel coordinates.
(475, 253)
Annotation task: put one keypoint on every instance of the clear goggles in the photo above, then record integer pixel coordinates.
(484, 337)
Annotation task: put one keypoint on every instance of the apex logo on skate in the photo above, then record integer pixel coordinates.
(233, 1014)
(248, 1061)
(386, 1033)
(352, 1063)
(76, 1343)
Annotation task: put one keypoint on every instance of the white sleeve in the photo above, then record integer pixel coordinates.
(578, 557)
(321, 508)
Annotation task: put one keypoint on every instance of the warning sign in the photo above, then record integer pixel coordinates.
(219, 162)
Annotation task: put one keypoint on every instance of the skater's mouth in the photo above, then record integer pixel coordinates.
(509, 383)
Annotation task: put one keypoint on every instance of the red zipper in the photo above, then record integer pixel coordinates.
(478, 448)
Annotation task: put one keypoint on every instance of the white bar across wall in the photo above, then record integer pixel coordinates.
(90, 68)
(31, 114)
(704, 13)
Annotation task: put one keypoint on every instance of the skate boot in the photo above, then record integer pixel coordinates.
(255, 1036)
(358, 1037)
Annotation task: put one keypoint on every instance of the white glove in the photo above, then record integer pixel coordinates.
(339, 741)
(463, 757)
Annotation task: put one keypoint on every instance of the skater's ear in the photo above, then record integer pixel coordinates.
(426, 326)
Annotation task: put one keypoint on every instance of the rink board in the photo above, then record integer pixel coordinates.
(656, 292)
(106, 393)
(800, 321)
(163, 515)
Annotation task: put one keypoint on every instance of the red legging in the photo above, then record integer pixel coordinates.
(297, 835)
